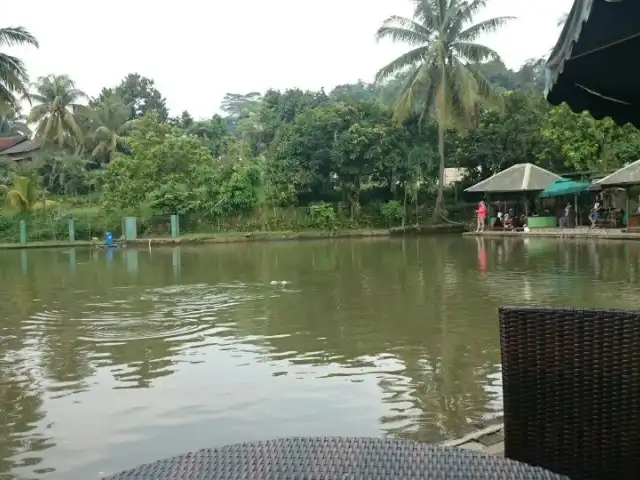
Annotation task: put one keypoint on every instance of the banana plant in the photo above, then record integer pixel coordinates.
(24, 196)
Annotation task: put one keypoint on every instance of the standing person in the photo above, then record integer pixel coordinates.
(595, 213)
(481, 214)
(564, 220)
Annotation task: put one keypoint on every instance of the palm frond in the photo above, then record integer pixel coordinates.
(13, 78)
(427, 13)
(402, 29)
(485, 89)
(7, 97)
(71, 125)
(469, 9)
(415, 93)
(16, 201)
(37, 113)
(407, 60)
(10, 36)
(472, 33)
(473, 52)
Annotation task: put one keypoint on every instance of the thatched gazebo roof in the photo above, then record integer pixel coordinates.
(522, 177)
(624, 177)
(589, 68)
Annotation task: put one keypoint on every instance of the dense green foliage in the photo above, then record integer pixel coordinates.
(360, 155)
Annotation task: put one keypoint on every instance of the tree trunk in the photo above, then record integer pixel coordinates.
(442, 119)
(404, 214)
(416, 194)
(438, 207)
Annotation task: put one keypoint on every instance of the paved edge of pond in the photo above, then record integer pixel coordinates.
(199, 239)
(488, 440)
(49, 244)
(600, 234)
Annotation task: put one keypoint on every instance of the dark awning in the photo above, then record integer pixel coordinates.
(592, 67)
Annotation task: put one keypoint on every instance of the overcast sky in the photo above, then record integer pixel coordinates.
(197, 50)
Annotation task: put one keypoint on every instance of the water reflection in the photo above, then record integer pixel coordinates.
(113, 358)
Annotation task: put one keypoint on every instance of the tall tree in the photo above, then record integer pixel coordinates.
(141, 94)
(109, 124)
(235, 105)
(57, 108)
(13, 74)
(444, 81)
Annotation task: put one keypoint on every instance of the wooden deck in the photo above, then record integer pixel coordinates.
(579, 232)
(488, 440)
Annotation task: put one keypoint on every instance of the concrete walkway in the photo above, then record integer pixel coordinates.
(579, 232)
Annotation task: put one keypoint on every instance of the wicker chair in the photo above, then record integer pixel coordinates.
(571, 381)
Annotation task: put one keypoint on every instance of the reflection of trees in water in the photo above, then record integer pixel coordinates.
(67, 357)
(403, 299)
(20, 412)
(349, 302)
(437, 397)
(562, 271)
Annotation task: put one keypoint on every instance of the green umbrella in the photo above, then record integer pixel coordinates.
(564, 186)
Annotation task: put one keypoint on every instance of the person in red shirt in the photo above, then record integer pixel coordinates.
(481, 214)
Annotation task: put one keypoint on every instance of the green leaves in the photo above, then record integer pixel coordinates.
(56, 111)
(22, 196)
(176, 173)
(13, 73)
(588, 144)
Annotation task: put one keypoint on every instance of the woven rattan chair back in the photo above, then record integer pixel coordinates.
(571, 381)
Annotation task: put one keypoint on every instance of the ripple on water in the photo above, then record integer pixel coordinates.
(157, 313)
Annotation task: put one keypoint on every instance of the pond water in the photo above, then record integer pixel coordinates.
(112, 359)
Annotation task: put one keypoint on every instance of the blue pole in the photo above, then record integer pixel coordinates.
(175, 226)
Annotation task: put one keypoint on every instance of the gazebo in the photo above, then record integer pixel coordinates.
(520, 179)
(589, 66)
(625, 178)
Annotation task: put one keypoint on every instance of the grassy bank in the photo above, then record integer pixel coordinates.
(208, 238)
(51, 227)
(247, 237)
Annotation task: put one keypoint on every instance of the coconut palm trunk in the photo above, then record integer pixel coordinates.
(442, 118)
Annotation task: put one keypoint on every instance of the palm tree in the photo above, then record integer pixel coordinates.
(444, 81)
(13, 73)
(12, 122)
(110, 122)
(57, 109)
